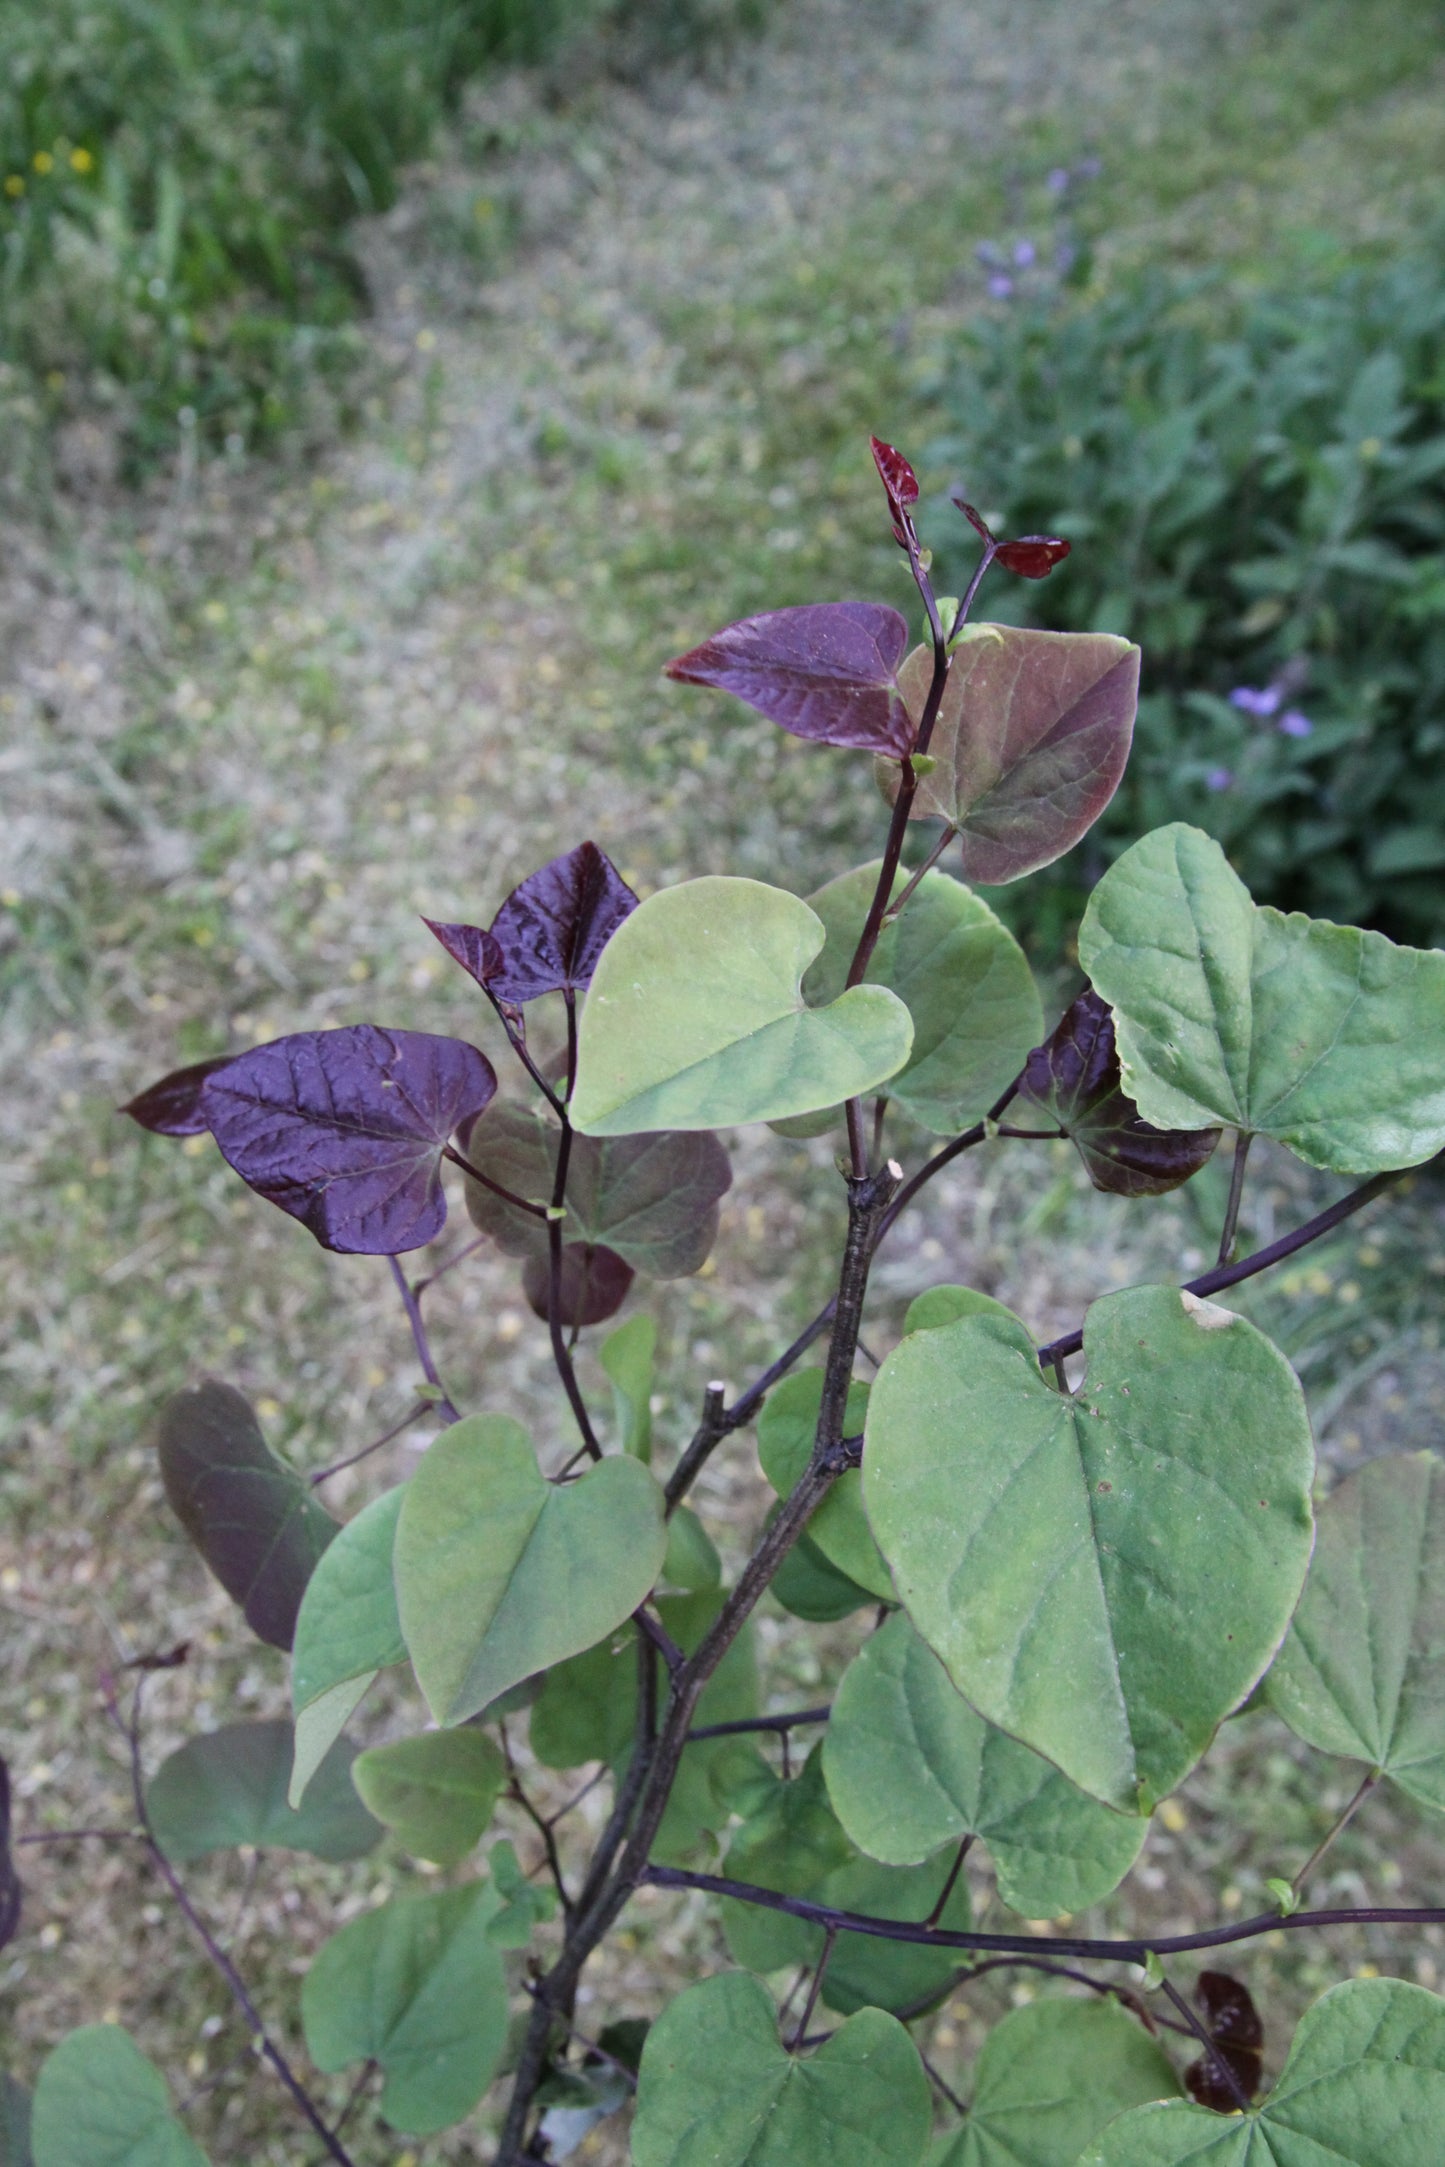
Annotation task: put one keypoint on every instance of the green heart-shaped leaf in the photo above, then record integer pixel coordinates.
(436, 1793)
(961, 975)
(418, 1988)
(809, 1586)
(1105, 1575)
(717, 2088)
(910, 1766)
(839, 1527)
(500, 1573)
(1328, 1038)
(627, 1356)
(347, 1631)
(1364, 2086)
(229, 1787)
(695, 1018)
(100, 2103)
(792, 1841)
(945, 1305)
(1362, 1670)
(1050, 2077)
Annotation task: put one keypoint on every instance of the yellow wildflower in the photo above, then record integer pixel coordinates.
(42, 161)
(81, 160)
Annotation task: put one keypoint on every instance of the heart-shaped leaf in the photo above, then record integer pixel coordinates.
(1364, 2086)
(1032, 736)
(592, 1287)
(1361, 1668)
(696, 1017)
(587, 1711)
(1330, 1039)
(229, 1787)
(172, 1107)
(345, 1129)
(500, 1573)
(809, 1586)
(717, 2088)
(10, 1891)
(910, 1767)
(100, 2103)
(1074, 1079)
(554, 926)
(828, 671)
(1050, 2077)
(786, 1429)
(792, 1841)
(1032, 556)
(255, 1522)
(652, 1199)
(417, 1987)
(692, 1562)
(945, 1305)
(346, 1632)
(962, 977)
(627, 1355)
(436, 1793)
(478, 952)
(1105, 1576)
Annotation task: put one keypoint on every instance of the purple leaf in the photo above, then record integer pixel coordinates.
(974, 517)
(1032, 735)
(1032, 556)
(1074, 1078)
(593, 1288)
(652, 1198)
(172, 1107)
(476, 951)
(828, 671)
(254, 1521)
(1232, 2022)
(10, 1892)
(900, 482)
(552, 928)
(345, 1129)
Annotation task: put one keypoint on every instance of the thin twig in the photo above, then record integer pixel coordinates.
(508, 1196)
(914, 879)
(814, 1987)
(74, 1835)
(1243, 1138)
(965, 1846)
(577, 1797)
(779, 1723)
(353, 1459)
(1372, 1777)
(561, 1354)
(946, 2089)
(468, 1249)
(420, 1341)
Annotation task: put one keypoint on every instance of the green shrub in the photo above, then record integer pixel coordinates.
(177, 179)
(1261, 487)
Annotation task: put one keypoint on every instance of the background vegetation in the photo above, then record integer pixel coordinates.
(262, 706)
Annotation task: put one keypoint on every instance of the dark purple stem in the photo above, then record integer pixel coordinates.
(561, 1353)
(420, 1341)
(508, 1196)
(353, 1459)
(781, 1724)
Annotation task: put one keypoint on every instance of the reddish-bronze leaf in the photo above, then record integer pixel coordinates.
(1074, 1078)
(1032, 735)
(1032, 556)
(900, 482)
(11, 1897)
(345, 1129)
(172, 1107)
(254, 1521)
(554, 926)
(975, 518)
(593, 1287)
(476, 951)
(827, 671)
(1233, 2024)
(652, 1198)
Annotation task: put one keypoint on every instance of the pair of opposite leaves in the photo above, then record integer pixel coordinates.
(1059, 2084)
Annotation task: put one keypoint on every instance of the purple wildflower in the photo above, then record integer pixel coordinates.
(1255, 700)
(1000, 286)
(989, 252)
(1293, 724)
(1024, 254)
(1065, 257)
(1218, 778)
(1058, 180)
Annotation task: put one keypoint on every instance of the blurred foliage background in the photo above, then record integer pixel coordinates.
(385, 392)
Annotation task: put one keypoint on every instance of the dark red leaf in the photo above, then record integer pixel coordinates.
(172, 1107)
(900, 481)
(345, 1129)
(1032, 556)
(554, 926)
(1074, 1078)
(828, 671)
(1233, 2024)
(10, 1892)
(594, 1284)
(475, 950)
(254, 1521)
(653, 1198)
(975, 518)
